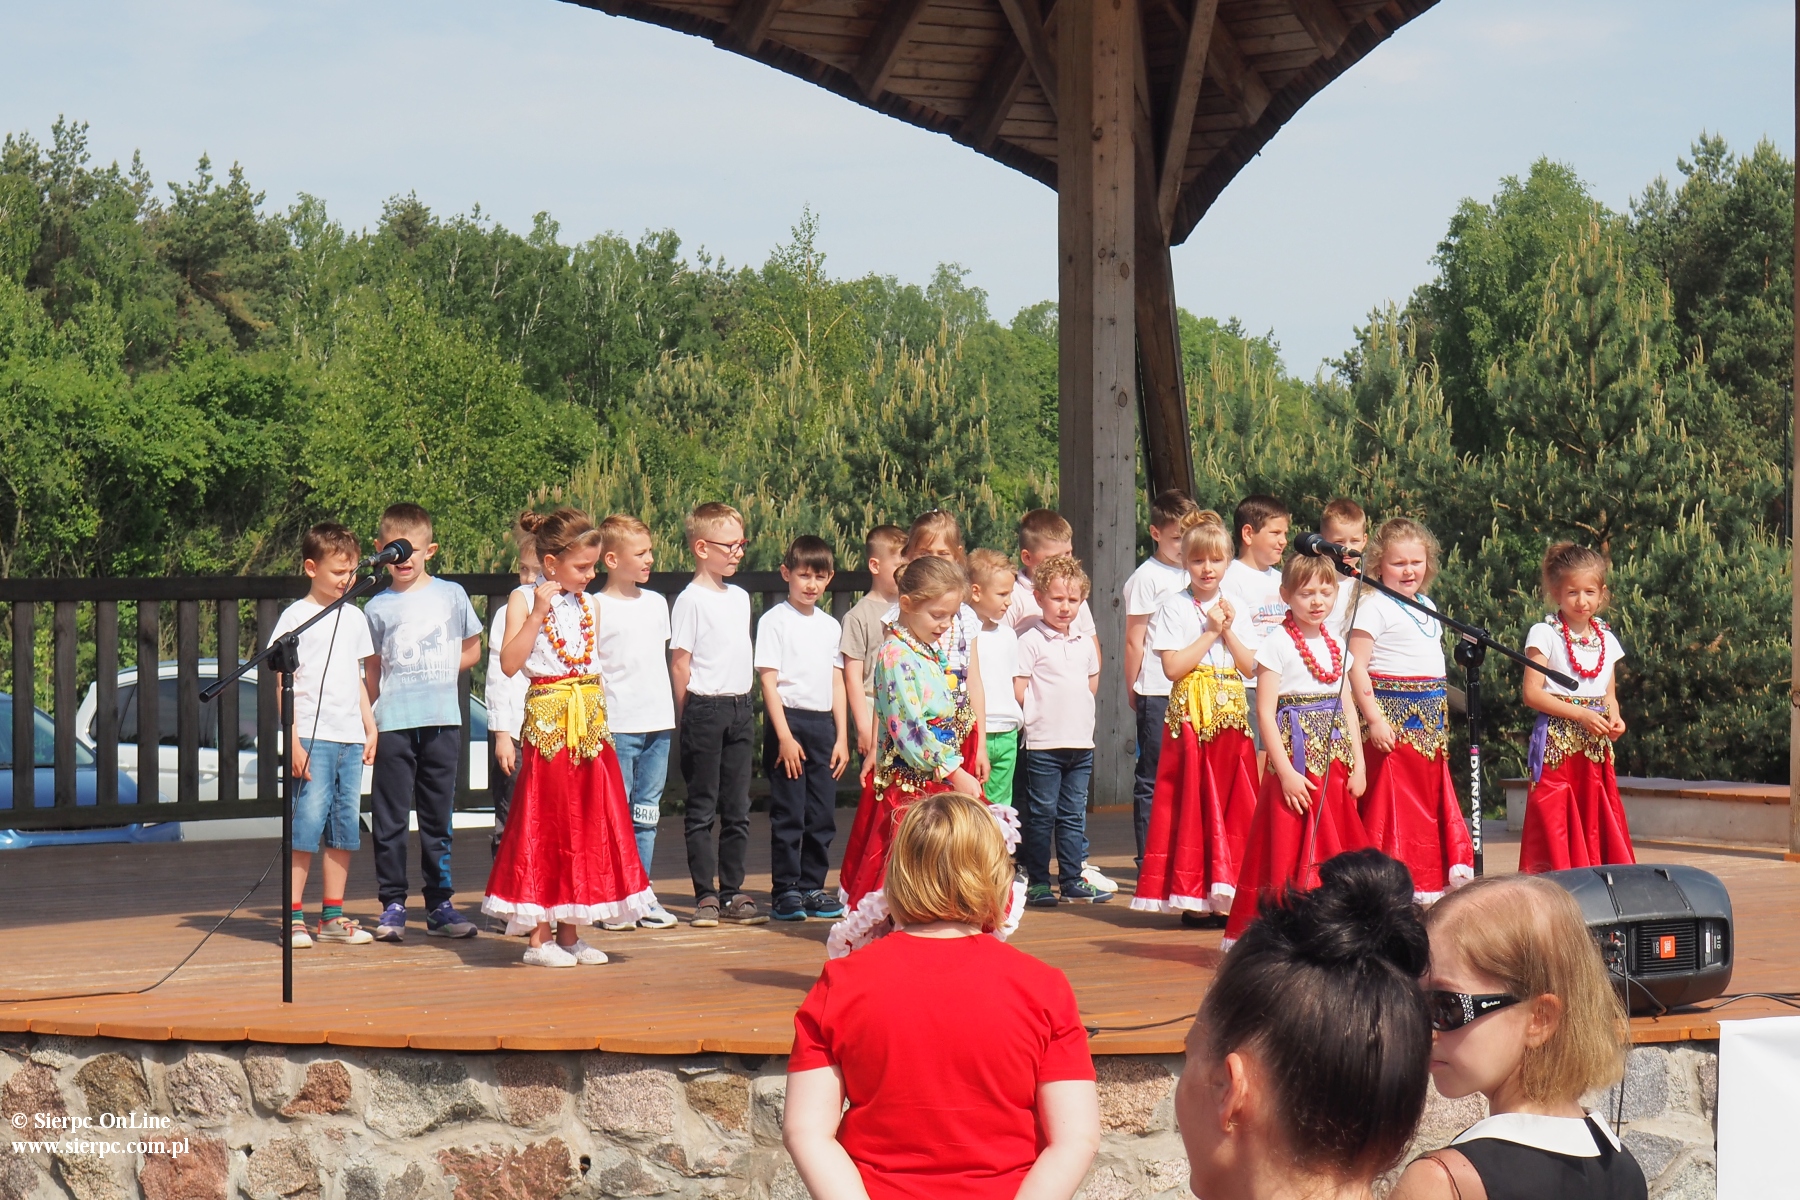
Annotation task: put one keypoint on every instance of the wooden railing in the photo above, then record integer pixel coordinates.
(230, 617)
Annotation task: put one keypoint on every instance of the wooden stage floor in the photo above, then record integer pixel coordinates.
(81, 919)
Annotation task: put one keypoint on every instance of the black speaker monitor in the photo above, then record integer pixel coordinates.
(1665, 931)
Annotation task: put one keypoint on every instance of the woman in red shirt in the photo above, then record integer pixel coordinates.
(989, 1096)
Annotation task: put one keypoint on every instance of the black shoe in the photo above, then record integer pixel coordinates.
(789, 906)
(1080, 891)
(824, 906)
(1039, 895)
(1200, 920)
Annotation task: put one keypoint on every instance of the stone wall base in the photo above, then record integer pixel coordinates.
(118, 1120)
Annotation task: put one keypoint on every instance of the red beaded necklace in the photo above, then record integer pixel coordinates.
(1306, 655)
(1599, 636)
(554, 636)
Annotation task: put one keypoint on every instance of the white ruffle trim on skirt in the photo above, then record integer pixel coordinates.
(1460, 874)
(1218, 902)
(871, 919)
(523, 918)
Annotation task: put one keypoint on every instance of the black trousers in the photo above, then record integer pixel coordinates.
(716, 742)
(803, 811)
(1150, 713)
(415, 771)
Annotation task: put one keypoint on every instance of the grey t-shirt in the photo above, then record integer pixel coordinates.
(419, 636)
(863, 632)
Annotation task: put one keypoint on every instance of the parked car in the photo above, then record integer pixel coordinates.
(168, 752)
(87, 779)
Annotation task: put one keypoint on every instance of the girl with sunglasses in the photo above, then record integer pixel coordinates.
(1522, 1012)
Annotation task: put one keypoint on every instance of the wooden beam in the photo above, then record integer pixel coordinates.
(1226, 63)
(994, 98)
(1793, 850)
(1184, 98)
(1162, 392)
(885, 45)
(749, 26)
(1028, 25)
(1097, 360)
(1322, 22)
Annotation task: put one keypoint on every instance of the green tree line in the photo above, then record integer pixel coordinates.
(189, 376)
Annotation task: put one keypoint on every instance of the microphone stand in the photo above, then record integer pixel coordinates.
(1471, 651)
(282, 654)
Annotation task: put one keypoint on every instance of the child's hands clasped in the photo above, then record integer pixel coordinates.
(1596, 723)
(1220, 616)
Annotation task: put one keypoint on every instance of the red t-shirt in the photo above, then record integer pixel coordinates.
(943, 1043)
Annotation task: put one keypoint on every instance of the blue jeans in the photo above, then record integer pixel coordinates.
(1056, 798)
(329, 804)
(644, 762)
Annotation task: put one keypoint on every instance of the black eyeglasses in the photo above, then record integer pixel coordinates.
(729, 547)
(1453, 1010)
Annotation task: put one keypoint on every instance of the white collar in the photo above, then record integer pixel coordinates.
(1567, 1136)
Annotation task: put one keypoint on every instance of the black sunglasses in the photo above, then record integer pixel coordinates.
(1453, 1010)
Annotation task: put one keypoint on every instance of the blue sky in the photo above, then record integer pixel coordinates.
(533, 105)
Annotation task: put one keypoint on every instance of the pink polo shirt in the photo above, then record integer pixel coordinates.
(1059, 705)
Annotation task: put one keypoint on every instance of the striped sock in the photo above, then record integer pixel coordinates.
(333, 909)
(299, 914)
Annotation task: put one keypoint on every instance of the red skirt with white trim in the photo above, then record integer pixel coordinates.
(872, 833)
(1574, 818)
(569, 853)
(1285, 848)
(1199, 820)
(1410, 812)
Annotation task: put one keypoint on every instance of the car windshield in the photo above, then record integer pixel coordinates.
(168, 715)
(43, 739)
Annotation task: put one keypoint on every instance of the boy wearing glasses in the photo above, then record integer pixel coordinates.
(710, 667)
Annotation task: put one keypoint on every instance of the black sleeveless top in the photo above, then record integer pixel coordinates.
(1547, 1158)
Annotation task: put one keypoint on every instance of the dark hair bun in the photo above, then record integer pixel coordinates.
(1362, 909)
(531, 522)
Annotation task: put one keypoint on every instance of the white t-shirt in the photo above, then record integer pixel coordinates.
(803, 649)
(1178, 625)
(338, 706)
(1024, 610)
(1279, 653)
(543, 662)
(1546, 637)
(634, 662)
(1144, 592)
(505, 694)
(1407, 642)
(1256, 595)
(1339, 620)
(999, 657)
(714, 627)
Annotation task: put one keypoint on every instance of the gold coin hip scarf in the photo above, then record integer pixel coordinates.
(567, 713)
(1556, 738)
(1210, 700)
(1414, 706)
(1312, 731)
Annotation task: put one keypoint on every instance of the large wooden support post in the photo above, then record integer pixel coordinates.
(1793, 850)
(1162, 400)
(1096, 69)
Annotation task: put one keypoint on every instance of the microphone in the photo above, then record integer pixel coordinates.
(396, 551)
(1314, 546)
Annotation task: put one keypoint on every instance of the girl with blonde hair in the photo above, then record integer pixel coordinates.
(888, 1097)
(1410, 809)
(1523, 1012)
(1206, 775)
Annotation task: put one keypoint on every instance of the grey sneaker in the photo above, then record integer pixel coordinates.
(742, 910)
(392, 926)
(445, 921)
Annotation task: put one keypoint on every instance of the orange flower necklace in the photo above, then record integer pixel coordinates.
(553, 634)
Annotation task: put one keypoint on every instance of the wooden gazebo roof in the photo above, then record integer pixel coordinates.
(983, 71)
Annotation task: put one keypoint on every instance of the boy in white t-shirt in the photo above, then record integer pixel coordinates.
(864, 628)
(1253, 581)
(806, 745)
(1147, 688)
(632, 643)
(710, 667)
(1345, 523)
(991, 587)
(332, 731)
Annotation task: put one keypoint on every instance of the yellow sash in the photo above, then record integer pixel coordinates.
(1209, 699)
(567, 712)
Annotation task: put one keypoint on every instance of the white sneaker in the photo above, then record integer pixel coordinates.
(618, 926)
(548, 955)
(1094, 879)
(585, 954)
(658, 918)
(298, 937)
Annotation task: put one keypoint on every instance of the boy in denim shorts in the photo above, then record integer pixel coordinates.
(333, 731)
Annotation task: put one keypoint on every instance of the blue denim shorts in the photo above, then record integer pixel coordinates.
(329, 804)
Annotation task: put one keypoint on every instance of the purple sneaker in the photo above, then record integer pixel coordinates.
(445, 921)
(392, 926)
